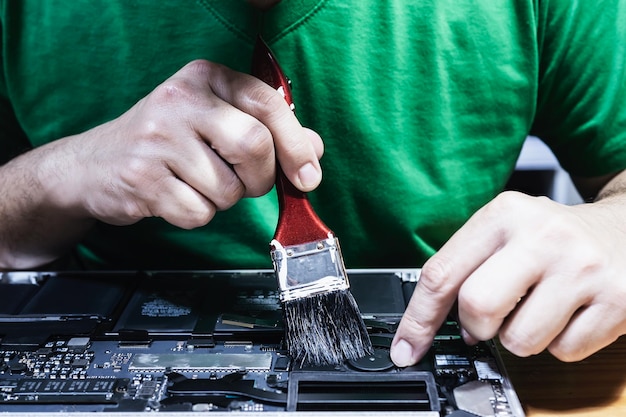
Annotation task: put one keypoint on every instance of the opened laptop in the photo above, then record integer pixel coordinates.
(183, 343)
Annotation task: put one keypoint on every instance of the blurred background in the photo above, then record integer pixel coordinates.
(539, 173)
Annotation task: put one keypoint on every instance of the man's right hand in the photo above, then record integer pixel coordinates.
(203, 139)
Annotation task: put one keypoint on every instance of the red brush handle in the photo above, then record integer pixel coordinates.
(297, 221)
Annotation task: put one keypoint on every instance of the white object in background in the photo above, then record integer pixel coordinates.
(536, 156)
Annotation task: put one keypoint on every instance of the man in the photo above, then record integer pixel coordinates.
(423, 107)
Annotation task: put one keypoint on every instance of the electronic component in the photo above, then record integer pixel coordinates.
(379, 360)
(213, 342)
(201, 362)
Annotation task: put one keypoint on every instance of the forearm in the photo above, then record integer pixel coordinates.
(38, 222)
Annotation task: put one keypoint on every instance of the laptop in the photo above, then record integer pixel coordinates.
(187, 342)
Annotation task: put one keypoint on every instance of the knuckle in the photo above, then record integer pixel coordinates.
(480, 317)
(189, 216)
(504, 203)
(435, 274)
(149, 130)
(474, 305)
(560, 233)
(232, 192)
(259, 188)
(257, 141)
(556, 228)
(201, 67)
(133, 211)
(519, 343)
(173, 91)
(589, 261)
(137, 171)
(197, 218)
(508, 199)
(566, 353)
(267, 100)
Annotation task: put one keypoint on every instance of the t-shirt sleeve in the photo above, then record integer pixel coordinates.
(581, 107)
(13, 140)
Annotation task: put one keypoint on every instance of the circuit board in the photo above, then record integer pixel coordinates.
(213, 341)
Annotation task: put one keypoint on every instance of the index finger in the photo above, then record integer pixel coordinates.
(294, 146)
(295, 149)
(440, 280)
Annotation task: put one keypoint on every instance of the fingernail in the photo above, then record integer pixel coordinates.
(309, 176)
(402, 354)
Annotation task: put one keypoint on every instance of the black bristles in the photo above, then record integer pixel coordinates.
(325, 329)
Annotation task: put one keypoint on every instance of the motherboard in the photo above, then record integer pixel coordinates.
(213, 341)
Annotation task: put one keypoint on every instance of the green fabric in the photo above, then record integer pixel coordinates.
(13, 141)
(423, 106)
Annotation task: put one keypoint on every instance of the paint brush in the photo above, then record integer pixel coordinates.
(323, 324)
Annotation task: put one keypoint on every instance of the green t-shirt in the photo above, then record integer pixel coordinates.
(423, 106)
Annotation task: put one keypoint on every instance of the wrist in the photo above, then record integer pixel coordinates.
(58, 175)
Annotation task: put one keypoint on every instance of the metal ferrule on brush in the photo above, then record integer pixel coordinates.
(308, 269)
